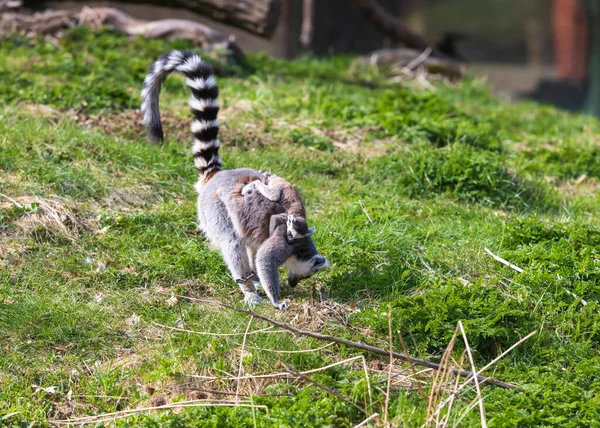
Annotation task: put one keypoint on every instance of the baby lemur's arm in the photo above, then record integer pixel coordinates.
(270, 256)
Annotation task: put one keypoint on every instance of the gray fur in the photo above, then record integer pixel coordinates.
(236, 225)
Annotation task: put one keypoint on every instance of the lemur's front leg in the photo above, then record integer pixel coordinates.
(272, 254)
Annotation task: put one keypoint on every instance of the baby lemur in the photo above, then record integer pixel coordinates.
(218, 189)
(276, 189)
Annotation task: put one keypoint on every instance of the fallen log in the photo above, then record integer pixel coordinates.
(259, 17)
(54, 22)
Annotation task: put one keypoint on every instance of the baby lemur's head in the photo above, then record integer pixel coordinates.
(297, 228)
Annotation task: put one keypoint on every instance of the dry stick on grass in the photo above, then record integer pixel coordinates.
(204, 333)
(504, 262)
(108, 417)
(411, 365)
(491, 363)
(479, 397)
(389, 377)
(366, 421)
(190, 387)
(276, 351)
(239, 382)
(440, 378)
(281, 374)
(518, 269)
(325, 388)
(359, 345)
(454, 393)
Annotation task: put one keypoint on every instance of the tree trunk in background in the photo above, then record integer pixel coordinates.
(593, 96)
(390, 25)
(259, 17)
(570, 36)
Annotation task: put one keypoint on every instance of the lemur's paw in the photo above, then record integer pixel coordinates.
(249, 188)
(252, 299)
(282, 306)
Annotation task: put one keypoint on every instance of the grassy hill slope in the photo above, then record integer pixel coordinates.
(405, 186)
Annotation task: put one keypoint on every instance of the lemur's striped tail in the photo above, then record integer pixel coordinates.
(203, 103)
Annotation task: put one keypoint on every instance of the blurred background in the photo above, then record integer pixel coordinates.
(539, 49)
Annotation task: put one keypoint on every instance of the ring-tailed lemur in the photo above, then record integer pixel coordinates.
(276, 189)
(213, 215)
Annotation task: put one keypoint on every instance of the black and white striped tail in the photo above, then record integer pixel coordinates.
(203, 103)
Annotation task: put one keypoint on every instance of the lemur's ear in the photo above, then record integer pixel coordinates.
(311, 230)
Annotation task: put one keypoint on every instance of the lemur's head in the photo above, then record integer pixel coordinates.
(305, 262)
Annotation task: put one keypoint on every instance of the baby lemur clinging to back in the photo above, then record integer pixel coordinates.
(276, 189)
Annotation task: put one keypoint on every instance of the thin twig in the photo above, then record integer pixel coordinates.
(454, 393)
(325, 388)
(365, 211)
(107, 417)
(189, 387)
(419, 60)
(498, 358)
(277, 351)
(494, 361)
(504, 262)
(440, 378)
(204, 333)
(276, 375)
(239, 382)
(359, 345)
(366, 421)
(389, 377)
(411, 365)
(13, 201)
(479, 397)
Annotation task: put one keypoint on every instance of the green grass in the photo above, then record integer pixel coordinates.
(406, 187)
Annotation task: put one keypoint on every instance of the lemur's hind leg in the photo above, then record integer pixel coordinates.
(272, 194)
(234, 254)
(272, 254)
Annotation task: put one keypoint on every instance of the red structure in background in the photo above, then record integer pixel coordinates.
(570, 40)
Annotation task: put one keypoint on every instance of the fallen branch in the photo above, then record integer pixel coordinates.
(259, 17)
(55, 21)
(373, 349)
(361, 345)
